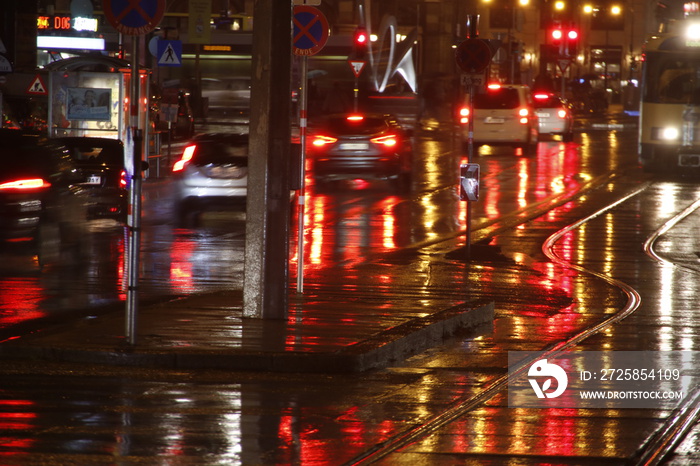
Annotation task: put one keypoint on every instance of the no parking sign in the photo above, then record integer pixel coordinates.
(310, 30)
(134, 17)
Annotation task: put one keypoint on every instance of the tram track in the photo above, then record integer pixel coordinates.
(686, 415)
(667, 436)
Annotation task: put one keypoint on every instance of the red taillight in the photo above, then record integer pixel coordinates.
(389, 140)
(539, 96)
(463, 115)
(186, 157)
(122, 179)
(320, 141)
(561, 113)
(523, 113)
(29, 183)
(355, 118)
(493, 86)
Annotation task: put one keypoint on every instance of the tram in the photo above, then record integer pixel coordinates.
(669, 117)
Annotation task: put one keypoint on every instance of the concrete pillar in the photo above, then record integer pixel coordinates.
(266, 280)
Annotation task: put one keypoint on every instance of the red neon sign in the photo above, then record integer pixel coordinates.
(53, 22)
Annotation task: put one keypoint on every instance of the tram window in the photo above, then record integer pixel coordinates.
(676, 85)
(673, 81)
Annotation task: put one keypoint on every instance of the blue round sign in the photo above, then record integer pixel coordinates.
(134, 17)
(310, 30)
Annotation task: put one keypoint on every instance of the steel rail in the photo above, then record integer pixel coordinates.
(687, 413)
(464, 405)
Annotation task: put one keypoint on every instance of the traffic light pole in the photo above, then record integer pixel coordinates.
(360, 43)
(356, 96)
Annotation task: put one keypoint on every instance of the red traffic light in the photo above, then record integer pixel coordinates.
(559, 34)
(360, 42)
(361, 37)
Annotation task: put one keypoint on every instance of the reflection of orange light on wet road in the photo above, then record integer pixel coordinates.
(523, 180)
(347, 233)
(389, 223)
(492, 191)
(181, 265)
(389, 227)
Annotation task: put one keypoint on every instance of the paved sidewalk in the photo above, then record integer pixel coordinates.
(325, 332)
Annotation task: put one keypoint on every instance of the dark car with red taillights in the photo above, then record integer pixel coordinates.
(364, 146)
(38, 192)
(100, 173)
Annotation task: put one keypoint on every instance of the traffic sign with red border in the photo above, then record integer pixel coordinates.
(563, 64)
(473, 55)
(357, 66)
(134, 17)
(37, 87)
(310, 30)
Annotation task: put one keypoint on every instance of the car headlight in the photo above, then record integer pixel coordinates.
(669, 134)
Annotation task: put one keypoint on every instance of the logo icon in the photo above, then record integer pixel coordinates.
(542, 368)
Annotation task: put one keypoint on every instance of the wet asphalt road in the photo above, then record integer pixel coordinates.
(68, 414)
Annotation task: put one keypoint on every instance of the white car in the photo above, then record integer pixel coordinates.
(503, 115)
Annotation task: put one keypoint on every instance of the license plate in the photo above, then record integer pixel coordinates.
(228, 172)
(93, 179)
(354, 146)
(492, 120)
(543, 115)
(30, 206)
(689, 160)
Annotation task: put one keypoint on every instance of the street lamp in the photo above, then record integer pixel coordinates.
(615, 10)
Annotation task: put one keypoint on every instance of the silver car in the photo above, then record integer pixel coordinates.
(554, 115)
(212, 174)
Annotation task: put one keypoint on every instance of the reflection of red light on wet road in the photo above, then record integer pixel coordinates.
(14, 420)
(19, 307)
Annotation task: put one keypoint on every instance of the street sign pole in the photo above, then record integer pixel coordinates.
(135, 201)
(119, 15)
(310, 36)
(473, 56)
(470, 156)
(301, 195)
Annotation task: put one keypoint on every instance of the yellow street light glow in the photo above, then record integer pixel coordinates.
(559, 6)
(524, 2)
(616, 9)
(693, 31)
(588, 9)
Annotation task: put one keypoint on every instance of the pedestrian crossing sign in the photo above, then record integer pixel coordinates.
(169, 53)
